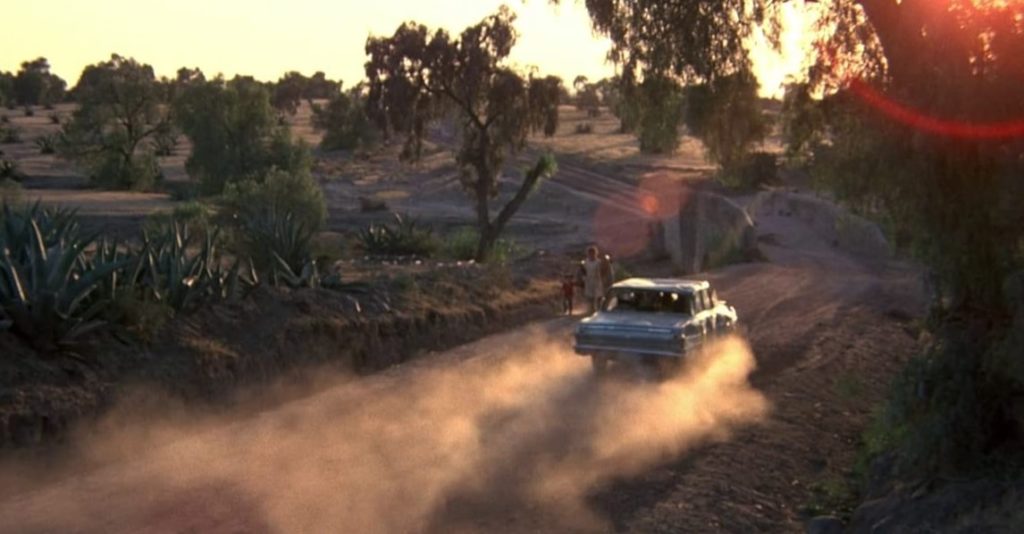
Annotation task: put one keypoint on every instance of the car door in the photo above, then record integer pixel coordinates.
(696, 330)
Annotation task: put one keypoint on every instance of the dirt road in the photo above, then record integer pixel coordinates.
(512, 433)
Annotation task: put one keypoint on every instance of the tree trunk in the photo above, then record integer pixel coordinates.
(485, 246)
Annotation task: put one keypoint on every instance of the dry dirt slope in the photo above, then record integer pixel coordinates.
(512, 433)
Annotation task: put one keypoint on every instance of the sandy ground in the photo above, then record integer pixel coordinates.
(589, 197)
(514, 434)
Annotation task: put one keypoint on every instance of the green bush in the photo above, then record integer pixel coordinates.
(120, 105)
(9, 171)
(113, 171)
(47, 144)
(661, 111)
(196, 215)
(235, 135)
(165, 141)
(345, 124)
(754, 171)
(275, 220)
(281, 192)
(462, 246)
(405, 237)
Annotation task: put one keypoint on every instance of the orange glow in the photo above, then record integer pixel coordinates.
(934, 125)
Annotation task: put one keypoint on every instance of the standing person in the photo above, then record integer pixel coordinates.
(597, 277)
(568, 293)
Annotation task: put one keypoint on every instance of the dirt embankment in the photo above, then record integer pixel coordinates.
(213, 354)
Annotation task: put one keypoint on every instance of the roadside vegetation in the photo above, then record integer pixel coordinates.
(949, 194)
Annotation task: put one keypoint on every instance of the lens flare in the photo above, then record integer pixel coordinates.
(934, 125)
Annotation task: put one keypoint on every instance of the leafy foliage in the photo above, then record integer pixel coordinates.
(47, 144)
(165, 140)
(345, 123)
(726, 116)
(9, 171)
(803, 122)
(235, 133)
(405, 237)
(546, 94)
(587, 97)
(661, 111)
(278, 191)
(7, 95)
(119, 109)
(35, 85)
(414, 78)
(461, 245)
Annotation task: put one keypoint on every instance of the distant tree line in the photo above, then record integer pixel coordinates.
(32, 85)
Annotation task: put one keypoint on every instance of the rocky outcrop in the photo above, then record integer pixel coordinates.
(832, 223)
(708, 230)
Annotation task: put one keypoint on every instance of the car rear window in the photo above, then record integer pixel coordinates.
(649, 301)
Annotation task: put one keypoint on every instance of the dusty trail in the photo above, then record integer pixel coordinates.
(511, 433)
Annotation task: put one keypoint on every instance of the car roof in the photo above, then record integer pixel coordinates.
(664, 284)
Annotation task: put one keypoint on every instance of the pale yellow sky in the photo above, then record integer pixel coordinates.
(266, 38)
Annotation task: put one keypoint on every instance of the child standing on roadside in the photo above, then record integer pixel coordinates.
(568, 293)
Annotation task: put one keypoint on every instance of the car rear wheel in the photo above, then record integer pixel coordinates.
(600, 364)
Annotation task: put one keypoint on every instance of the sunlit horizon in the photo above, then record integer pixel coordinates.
(266, 39)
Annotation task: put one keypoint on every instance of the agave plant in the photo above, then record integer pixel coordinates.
(283, 274)
(45, 287)
(47, 144)
(17, 226)
(181, 273)
(273, 239)
(404, 238)
(9, 170)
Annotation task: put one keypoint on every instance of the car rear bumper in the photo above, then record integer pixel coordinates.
(625, 352)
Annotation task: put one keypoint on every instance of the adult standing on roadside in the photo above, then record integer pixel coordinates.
(597, 277)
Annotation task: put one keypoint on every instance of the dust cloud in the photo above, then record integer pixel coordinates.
(513, 437)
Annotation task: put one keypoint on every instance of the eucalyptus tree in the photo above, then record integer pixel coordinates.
(120, 109)
(416, 77)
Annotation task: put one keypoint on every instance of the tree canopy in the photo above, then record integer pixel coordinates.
(120, 108)
(235, 133)
(416, 77)
(34, 84)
